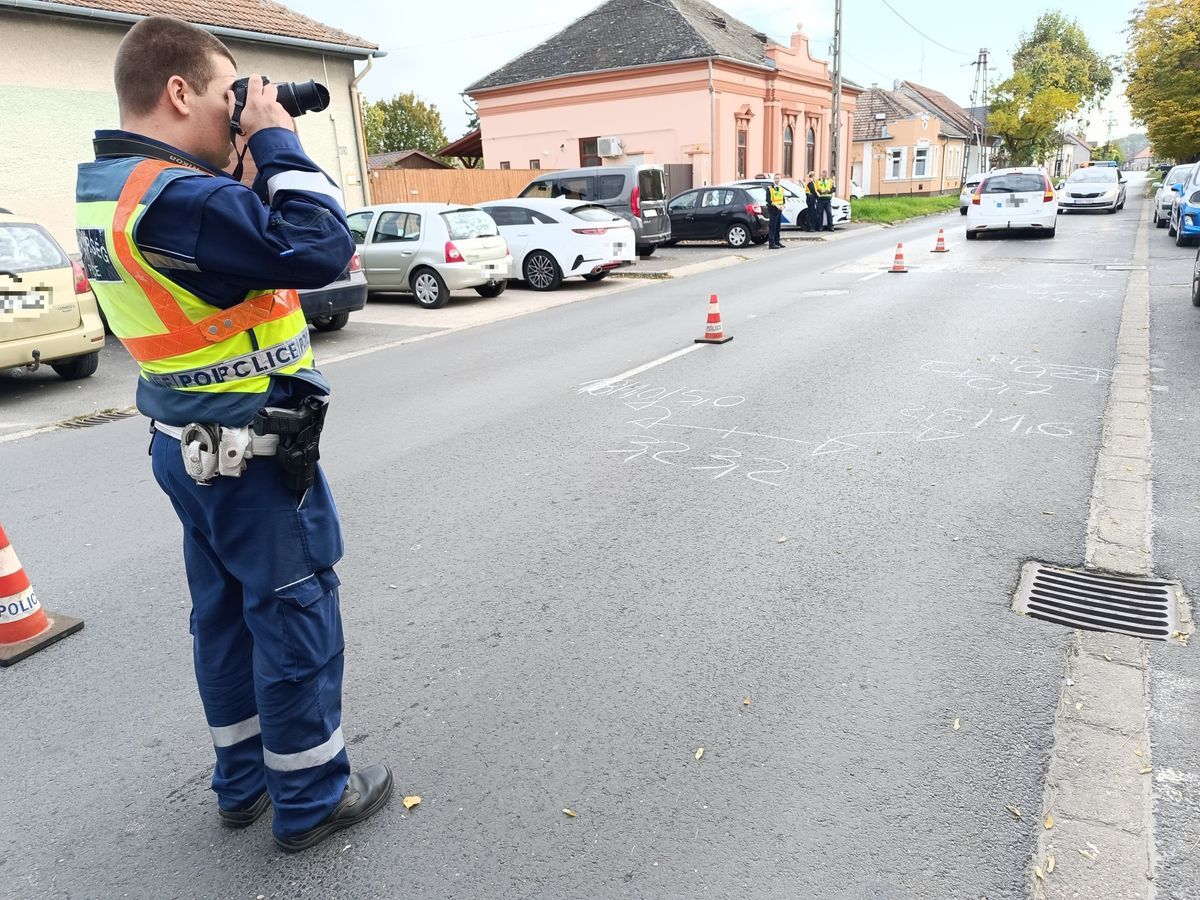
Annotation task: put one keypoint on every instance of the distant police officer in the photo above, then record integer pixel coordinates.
(196, 274)
(774, 213)
(825, 190)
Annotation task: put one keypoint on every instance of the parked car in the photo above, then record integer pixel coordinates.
(732, 214)
(48, 313)
(1184, 221)
(555, 239)
(856, 192)
(1098, 186)
(968, 188)
(1196, 280)
(328, 308)
(638, 194)
(1165, 194)
(793, 202)
(1011, 199)
(430, 250)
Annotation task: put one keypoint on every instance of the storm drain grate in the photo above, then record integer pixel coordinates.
(100, 418)
(1078, 598)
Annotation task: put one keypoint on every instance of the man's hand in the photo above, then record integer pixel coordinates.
(262, 110)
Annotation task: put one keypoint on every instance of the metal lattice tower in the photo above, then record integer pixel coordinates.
(979, 97)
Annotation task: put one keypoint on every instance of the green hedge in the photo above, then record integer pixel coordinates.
(893, 209)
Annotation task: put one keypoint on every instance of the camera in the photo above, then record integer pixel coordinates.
(296, 99)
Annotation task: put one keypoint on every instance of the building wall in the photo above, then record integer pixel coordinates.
(875, 157)
(51, 103)
(667, 114)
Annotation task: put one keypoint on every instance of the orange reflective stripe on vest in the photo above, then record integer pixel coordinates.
(182, 335)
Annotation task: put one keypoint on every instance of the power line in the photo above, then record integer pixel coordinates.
(919, 31)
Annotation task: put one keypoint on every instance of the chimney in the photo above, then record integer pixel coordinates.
(896, 84)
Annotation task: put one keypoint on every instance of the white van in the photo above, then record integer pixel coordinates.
(1009, 199)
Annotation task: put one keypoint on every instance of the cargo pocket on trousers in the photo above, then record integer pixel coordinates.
(310, 611)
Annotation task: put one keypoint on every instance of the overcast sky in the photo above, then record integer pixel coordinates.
(438, 50)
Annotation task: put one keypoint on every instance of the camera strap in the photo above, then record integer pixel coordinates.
(109, 147)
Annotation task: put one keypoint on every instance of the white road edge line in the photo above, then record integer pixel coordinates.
(650, 365)
(873, 275)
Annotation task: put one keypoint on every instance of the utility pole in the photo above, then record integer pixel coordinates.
(835, 154)
(979, 99)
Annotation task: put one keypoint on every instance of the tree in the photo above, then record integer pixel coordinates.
(1164, 76)
(1056, 74)
(404, 122)
(1111, 150)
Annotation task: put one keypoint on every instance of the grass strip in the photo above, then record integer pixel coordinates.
(892, 209)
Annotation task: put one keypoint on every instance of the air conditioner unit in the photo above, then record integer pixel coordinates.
(609, 146)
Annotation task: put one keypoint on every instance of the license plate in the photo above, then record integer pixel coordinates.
(650, 213)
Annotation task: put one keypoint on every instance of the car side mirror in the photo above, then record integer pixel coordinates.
(1059, 185)
(1120, 181)
(1156, 185)
(1177, 188)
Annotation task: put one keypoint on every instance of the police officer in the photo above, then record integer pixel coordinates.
(810, 202)
(197, 275)
(824, 202)
(774, 213)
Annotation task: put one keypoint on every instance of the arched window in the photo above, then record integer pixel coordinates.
(811, 151)
(787, 152)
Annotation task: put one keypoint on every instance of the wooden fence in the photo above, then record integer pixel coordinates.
(448, 185)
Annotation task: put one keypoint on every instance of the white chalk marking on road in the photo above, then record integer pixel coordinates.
(873, 275)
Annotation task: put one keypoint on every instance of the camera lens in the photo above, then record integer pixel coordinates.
(299, 98)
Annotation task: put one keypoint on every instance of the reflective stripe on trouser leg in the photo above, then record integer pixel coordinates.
(222, 645)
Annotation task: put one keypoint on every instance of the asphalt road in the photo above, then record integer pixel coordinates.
(556, 592)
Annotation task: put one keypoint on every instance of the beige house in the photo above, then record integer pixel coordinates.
(1072, 154)
(902, 146)
(56, 88)
(675, 82)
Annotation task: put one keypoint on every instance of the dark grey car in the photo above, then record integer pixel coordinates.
(637, 194)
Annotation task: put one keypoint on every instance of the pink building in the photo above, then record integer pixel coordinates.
(675, 82)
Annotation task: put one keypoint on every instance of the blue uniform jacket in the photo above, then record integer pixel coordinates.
(220, 239)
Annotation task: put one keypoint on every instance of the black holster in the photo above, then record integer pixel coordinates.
(299, 433)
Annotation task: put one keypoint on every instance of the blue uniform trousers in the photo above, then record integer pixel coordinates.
(267, 633)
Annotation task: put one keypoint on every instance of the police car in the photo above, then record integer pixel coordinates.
(48, 313)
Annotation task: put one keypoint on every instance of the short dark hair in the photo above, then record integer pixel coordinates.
(157, 48)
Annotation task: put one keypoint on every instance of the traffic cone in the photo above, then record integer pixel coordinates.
(941, 243)
(25, 627)
(898, 262)
(712, 331)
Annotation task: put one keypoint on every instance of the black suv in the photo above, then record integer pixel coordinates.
(732, 214)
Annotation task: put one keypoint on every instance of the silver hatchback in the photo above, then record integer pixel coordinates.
(430, 250)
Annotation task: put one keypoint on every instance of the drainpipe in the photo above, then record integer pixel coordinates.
(356, 103)
(712, 126)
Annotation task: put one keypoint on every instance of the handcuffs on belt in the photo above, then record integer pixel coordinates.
(292, 436)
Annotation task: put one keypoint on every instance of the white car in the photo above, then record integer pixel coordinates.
(1165, 194)
(1011, 199)
(968, 188)
(553, 239)
(1093, 187)
(430, 250)
(793, 202)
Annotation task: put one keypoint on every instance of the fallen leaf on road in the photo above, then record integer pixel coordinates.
(1015, 812)
(1145, 770)
(1049, 821)
(1093, 847)
(410, 802)
(1086, 854)
(1049, 863)
(699, 753)
(571, 813)
(781, 540)
(1137, 752)
(1109, 658)
(1046, 512)
(1037, 870)
(1079, 706)
(956, 724)
(746, 701)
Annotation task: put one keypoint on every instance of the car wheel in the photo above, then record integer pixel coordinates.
(1159, 221)
(1171, 227)
(541, 271)
(77, 367)
(972, 235)
(1049, 232)
(736, 235)
(644, 252)
(962, 210)
(429, 289)
(595, 276)
(334, 322)
(492, 289)
(1196, 281)
(1182, 240)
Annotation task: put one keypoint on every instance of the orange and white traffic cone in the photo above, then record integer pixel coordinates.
(713, 333)
(898, 262)
(25, 627)
(941, 243)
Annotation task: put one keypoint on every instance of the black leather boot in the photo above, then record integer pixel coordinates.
(248, 815)
(366, 793)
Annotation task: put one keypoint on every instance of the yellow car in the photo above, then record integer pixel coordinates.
(48, 313)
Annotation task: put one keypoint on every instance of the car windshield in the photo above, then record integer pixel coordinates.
(593, 214)
(1093, 175)
(27, 248)
(462, 224)
(1178, 175)
(1014, 184)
